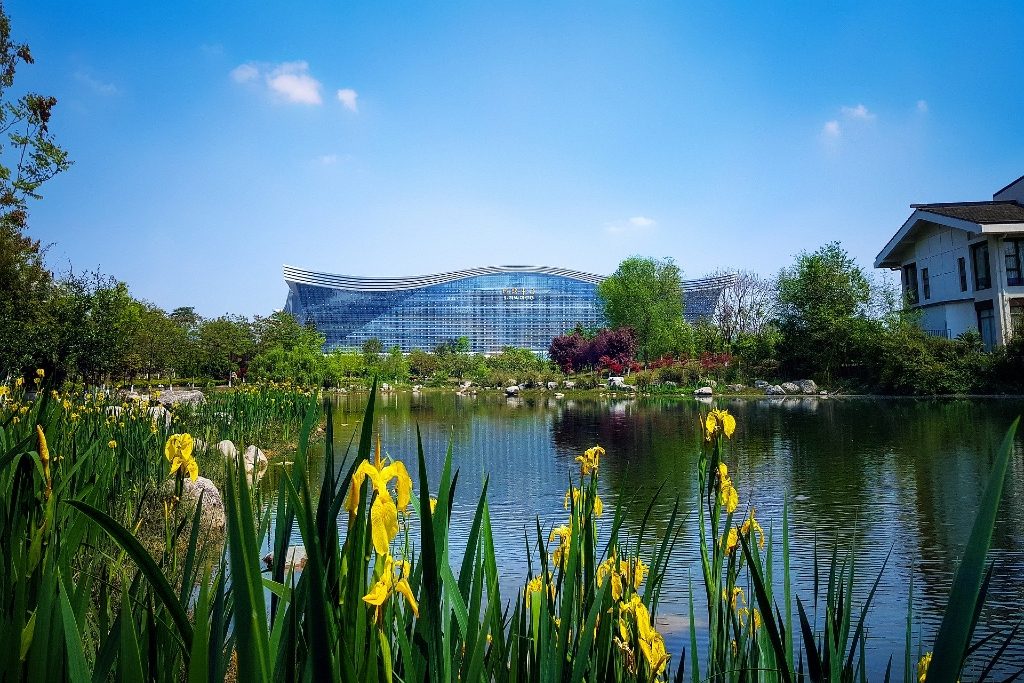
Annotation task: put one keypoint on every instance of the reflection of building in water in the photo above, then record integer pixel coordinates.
(494, 306)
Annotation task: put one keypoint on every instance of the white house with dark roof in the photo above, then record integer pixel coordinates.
(962, 264)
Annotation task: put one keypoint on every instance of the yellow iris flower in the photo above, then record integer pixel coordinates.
(728, 497)
(564, 535)
(393, 579)
(732, 540)
(590, 460)
(922, 667)
(651, 642)
(178, 451)
(44, 458)
(575, 494)
(752, 525)
(719, 420)
(383, 512)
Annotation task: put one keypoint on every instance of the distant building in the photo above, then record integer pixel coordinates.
(961, 265)
(494, 306)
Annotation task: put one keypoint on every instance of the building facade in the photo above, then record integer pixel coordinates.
(961, 265)
(494, 307)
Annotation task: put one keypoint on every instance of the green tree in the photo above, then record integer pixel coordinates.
(28, 158)
(823, 311)
(646, 295)
(225, 346)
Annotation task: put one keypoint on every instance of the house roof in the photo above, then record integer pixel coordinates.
(982, 213)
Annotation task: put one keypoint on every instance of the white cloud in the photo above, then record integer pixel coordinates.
(291, 80)
(922, 106)
(858, 112)
(831, 129)
(243, 73)
(327, 159)
(348, 97)
(630, 225)
(94, 84)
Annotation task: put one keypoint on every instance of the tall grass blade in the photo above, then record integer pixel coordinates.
(955, 631)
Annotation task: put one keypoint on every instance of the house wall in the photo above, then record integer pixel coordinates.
(1013, 193)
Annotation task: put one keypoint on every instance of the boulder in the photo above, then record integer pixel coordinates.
(735, 388)
(558, 395)
(294, 558)
(212, 516)
(790, 387)
(808, 386)
(255, 463)
(616, 382)
(385, 387)
(761, 384)
(159, 413)
(512, 390)
(227, 449)
(703, 391)
(172, 396)
(552, 386)
(774, 390)
(568, 384)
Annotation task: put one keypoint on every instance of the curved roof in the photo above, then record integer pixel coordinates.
(390, 284)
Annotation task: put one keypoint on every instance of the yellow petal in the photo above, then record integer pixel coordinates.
(378, 594)
(384, 522)
(710, 424)
(728, 424)
(598, 505)
(365, 469)
(403, 482)
(403, 587)
(193, 468)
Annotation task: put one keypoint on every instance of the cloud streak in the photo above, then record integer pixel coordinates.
(630, 225)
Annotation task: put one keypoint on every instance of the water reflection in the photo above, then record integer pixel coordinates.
(877, 475)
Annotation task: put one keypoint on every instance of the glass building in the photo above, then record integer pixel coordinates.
(494, 306)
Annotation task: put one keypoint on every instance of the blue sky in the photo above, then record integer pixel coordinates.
(214, 142)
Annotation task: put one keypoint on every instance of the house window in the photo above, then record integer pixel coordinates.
(910, 282)
(979, 263)
(1013, 258)
(925, 284)
(1016, 315)
(986, 323)
(962, 265)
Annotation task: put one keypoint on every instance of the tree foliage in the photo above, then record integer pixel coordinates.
(28, 158)
(823, 303)
(645, 295)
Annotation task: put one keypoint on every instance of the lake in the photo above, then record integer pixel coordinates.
(870, 474)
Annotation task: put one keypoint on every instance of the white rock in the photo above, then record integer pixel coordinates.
(808, 386)
(255, 463)
(558, 395)
(569, 384)
(227, 449)
(212, 516)
(790, 387)
(775, 390)
(512, 390)
(703, 391)
(159, 413)
(172, 396)
(761, 384)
